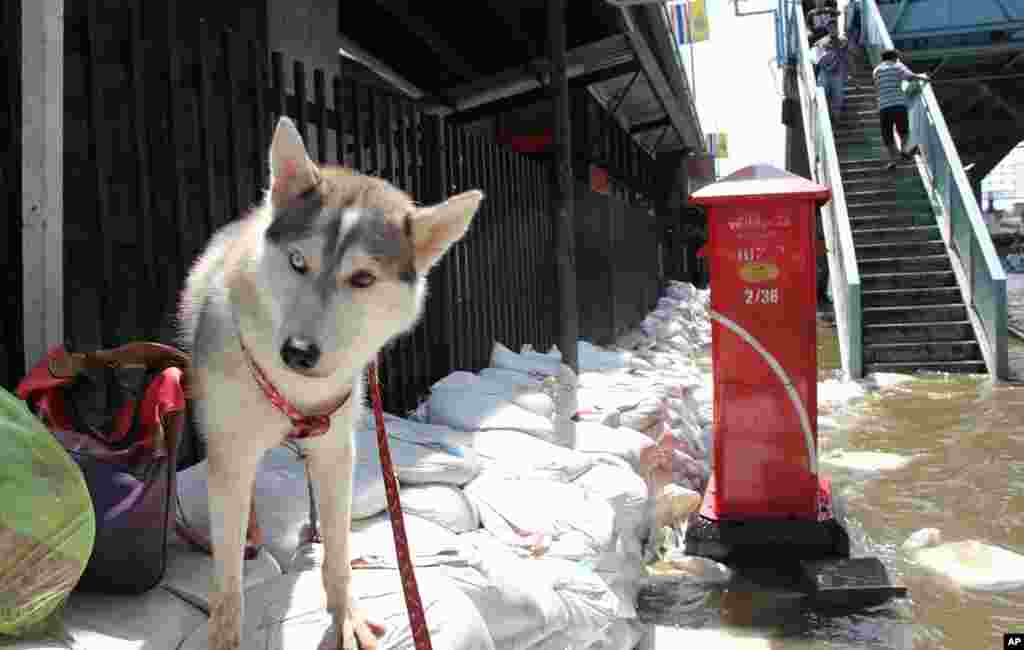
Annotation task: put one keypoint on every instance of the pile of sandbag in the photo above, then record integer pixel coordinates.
(528, 493)
(575, 472)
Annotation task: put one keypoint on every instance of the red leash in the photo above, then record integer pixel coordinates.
(417, 620)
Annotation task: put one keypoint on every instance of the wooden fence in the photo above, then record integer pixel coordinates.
(12, 364)
(617, 253)
(166, 138)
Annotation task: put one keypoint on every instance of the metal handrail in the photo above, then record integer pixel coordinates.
(979, 272)
(844, 276)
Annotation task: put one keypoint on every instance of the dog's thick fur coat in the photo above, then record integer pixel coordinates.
(314, 282)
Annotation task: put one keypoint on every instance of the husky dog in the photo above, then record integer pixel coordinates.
(282, 313)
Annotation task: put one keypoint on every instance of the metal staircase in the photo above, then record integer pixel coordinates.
(915, 280)
(914, 316)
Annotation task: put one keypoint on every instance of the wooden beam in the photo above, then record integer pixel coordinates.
(565, 227)
(1012, 62)
(514, 31)
(42, 180)
(981, 96)
(644, 127)
(402, 11)
(622, 95)
(655, 77)
(997, 97)
(605, 53)
(538, 94)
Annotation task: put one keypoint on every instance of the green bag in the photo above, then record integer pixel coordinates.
(47, 523)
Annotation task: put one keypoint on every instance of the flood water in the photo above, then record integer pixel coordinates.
(965, 436)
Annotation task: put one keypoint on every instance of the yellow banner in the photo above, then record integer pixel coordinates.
(699, 30)
(718, 145)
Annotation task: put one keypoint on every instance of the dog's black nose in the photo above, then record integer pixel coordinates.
(299, 353)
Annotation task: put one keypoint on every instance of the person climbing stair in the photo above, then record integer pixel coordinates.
(889, 76)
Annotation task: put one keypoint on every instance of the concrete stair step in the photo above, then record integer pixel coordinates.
(908, 234)
(858, 207)
(905, 281)
(881, 181)
(873, 164)
(918, 332)
(887, 221)
(876, 171)
(943, 351)
(888, 250)
(864, 195)
(918, 264)
(903, 297)
(952, 367)
(915, 314)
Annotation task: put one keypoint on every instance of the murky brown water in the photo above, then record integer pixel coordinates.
(966, 440)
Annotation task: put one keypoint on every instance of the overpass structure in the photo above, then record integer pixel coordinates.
(916, 279)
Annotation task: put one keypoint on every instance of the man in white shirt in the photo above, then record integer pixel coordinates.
(892, 104)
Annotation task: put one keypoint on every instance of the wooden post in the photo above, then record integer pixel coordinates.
(42, 66)
(565, 228)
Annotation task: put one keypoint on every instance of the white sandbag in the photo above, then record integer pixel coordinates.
(591, 357)
(668, 330)
(622, 442)
(647, 327)
(578, 524)
(282, 496)
(289, 613)
(430, 544)
(663, 315)
(865, 461)
(922, 539)
(533, 364)
(518, 454)
(644, 415)
(511, 377)
(639, 363)
(593, 606)
(518, 604)
(624, 489)
(476, 411)
(425, 453)
(190, 572)
(115, 622)
(975, 565)
(630, 340)
(682, 291)
(533, 400)
(835, 392)
(445, 505)
(722, 638)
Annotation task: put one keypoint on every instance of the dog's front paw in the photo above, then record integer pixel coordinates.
(354, 633)
(226, 623)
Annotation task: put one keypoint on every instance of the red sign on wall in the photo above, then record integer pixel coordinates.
(599, 179)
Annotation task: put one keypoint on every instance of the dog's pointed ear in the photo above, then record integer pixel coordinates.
(435, 228)
(291, 170)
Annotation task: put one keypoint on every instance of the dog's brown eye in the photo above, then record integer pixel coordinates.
(298, 262)
(362, 279)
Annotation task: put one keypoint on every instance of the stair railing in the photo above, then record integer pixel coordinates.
(844, 278)
(979, 272)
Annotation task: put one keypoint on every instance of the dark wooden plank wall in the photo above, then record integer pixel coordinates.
(167, 132)
(618, 275)
(12, 364)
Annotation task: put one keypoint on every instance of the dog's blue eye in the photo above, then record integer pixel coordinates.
(297, 261)
(362, 279)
